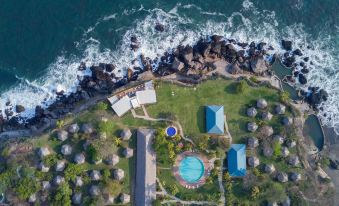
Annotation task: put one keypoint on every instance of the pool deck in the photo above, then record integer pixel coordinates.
(188, 185)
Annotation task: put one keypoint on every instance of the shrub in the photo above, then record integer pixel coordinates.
(73, 170)
(284, 96)
(101, 106)
(93, 153)
(113, 187)
(62, 196)
(241, 87)
(276, 149)
(255, 191)
(106, 174)
(26, 187)
(117, 141)
(50, 160)
(254, 79)
(173, 189)
(106, 127)
(60, 123)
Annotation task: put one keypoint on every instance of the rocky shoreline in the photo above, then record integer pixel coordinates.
(191, 62)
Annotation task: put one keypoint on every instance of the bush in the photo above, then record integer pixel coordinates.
(50, 160)
(106, 127)
(26, 187)
(60, 123)
(113, 188)
(106, 175)
(241, 87)
(73, 170)
(254, 79)
(173, 189)
(93, 153)
(284, 96)
(276, 149)
(255, 191)
(62, 196)
(101, 106)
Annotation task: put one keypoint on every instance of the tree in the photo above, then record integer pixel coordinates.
(255, 192)
(93, 153)
(62, 196)
(256, 172)
(113, 187)
(173, 189)
(101, 106)
(50, 160)
(177, 138)
(203, 142)
(106, 174)
(72, 171)
(276, 149)
(241, 87)
(227, 177)
(60, 123)
(26, 187)
(284, 96)
(117, 141)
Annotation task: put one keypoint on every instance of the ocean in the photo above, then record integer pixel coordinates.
(43, 42)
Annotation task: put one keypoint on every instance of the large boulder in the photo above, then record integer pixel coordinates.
(159, 27)
(177, 65)
(19, 108)
(302, 79)
(187, 54)
(286, 44)
(258, 65)
(234, 68)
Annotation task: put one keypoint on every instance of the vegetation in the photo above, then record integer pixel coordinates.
(26, 187)
(60, 123)
(102, 106)
(241, 87)
(73, 170)
(62, 196)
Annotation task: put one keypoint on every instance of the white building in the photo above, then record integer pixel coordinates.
(122, 106)
(146, 96)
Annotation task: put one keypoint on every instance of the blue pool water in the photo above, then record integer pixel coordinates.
(171, 131)
(191, 169)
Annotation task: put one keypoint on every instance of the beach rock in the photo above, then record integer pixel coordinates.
(261, 45)
(19, 108)
(129, 73)
(302, 79)
(288, 61)
(159, 27)
(234, 68)
(216, 38)
(187, 54)
(109, 67)
(286, 44)
(177, 65)
(297, 52)
(316, 96)
(202, 47)
(134, 39)
(306, 59)
(304, 71)
(82, 66)
(258, 65)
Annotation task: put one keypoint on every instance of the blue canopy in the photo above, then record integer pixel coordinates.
(237, 160)
(215, 119)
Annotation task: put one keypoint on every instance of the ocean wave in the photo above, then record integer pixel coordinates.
(246, 25)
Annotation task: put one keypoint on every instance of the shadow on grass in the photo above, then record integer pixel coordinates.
(231, 88)
(201, 120)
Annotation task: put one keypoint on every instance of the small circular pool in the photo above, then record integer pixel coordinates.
(171, 131)
(191, 169)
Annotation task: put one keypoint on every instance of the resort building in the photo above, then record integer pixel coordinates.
(145, 187)
(215, 119)
(236, 158)
(133, 98)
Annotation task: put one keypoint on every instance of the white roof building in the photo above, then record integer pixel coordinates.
(135, 102)
(146, 96)
(122, 106)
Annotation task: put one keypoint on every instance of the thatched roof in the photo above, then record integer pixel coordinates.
(286, 202)
(269, 168)
(266, 116)
(95, 175)
(108, 199)
(291, 143)
(125, 198)
(45, 185)
(252, 142)
(125, 134)
(112, 159)
(43, 151)
(76, 198)
(279, 139)
(62, 135)
(251, 112)
(284, 151)
(128, 152)
(60, 165)
(261, 103)
(287, 121)
(282, 177)
(58, 180)
(295, 177)
(87, 128)
(66, 149)
(79, 158)
(118, 174)
(268, 151)
(252, 126)
(266, 131)
(94, 190)
(293, 160)
(32, 198)
(43, 167)
(78, 181)
(253, 161)
(280, 109)
(73, 128)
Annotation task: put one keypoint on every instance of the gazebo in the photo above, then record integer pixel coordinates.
(94, 190)
(280, 109)
(261, 103)
(43, 167)
(128, 152)
(62, 135)
(95, 175)
(76, 198)
(282, 177)
(252, 126)
(112, 159)
(118, 174)
(252, 142)
(284, 151)
(269, 168)
(79, 158)
(73, 128)
(253, 161)
(45, 185)
(251, 112)
(295, 177)
(58, 180)
(266, 116)
(268, 152)
(293, 160)
(78, 181)
(60, 165)
(287, 121)
(125, 134)
(66, 149)
(43, 152)
(266, 131)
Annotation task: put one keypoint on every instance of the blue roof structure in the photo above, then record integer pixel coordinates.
(215, 119)
(237, 160)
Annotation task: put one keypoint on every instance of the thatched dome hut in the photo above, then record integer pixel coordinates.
(266, 131)
(282, 177)
(58, 180)
(251, 112)
(66, 149)
(76, 198)
(94, 190)
(252, 126)
(118, 174)
(272, 204)
(60, 165)
(280, 109)
(112, 159)
(269, 168)
(125, 198)
(268, 151)
(293, 160)
(95, 175)
(62, 135)
(284, 151)
(266, 116)
(291, 143)
(128, 152)
(45, 185)
(125, 134)
(78, 181)
(32, 198)
(79, 158)
(87, 128)
(261, 103)
(286, 202)
(73, 128)
(279, 139)
(253, 161)
(252, 142)
(287, 121)
(43, 167)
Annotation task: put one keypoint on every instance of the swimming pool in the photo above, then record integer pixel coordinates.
(171, 131)
(191, 169)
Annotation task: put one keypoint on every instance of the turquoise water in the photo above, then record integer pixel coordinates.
(312, 130)
(43, 42)
(191, 169)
